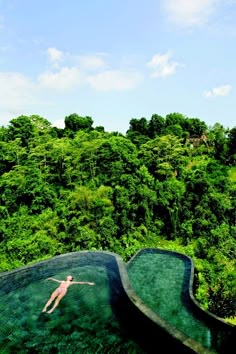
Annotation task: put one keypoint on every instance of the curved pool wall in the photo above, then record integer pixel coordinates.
(162, 281)
(110, 317)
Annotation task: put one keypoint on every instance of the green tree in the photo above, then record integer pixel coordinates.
(21, 128)
(11, 154)
(115, 155)
(194, 126)
(74, 123)
(232, 145)
(90, 211)
(219, 140)
(139, 125)
(138, 131)
(156, 126)
(163, 156)
(174, 118)
(170, 196)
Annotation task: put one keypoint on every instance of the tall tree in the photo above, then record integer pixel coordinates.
(219, 137)
(163, 156)
(138, 131)
(21, 128)
(194, 126)
(74, 123)
(156, 126)
(232, 145)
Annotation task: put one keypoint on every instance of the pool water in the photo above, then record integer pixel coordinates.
(85, 320)
(105, 318)
(161, 281)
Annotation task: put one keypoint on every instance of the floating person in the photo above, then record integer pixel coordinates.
(61, 291)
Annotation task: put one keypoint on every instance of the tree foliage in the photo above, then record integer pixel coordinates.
(80, 187)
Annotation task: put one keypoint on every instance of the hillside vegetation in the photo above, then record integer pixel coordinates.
(168, 182)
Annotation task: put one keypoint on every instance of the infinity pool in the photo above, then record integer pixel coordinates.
(85, 320)
(161, 279)
(142, 307)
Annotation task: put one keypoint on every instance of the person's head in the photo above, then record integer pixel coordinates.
(69, 277)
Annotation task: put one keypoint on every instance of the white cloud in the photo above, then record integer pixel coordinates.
(223, 90)
(18, 95)
(60, 123)
(15, 89)
(55, 56)
(84, 69)
(91, 62)
(85, 62)
(64, 79)
(189, 13)
(162, 66)
(111, 80)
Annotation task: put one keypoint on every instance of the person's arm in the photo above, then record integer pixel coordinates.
(58, 281)
(81, 282)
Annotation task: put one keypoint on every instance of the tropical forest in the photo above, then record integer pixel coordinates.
(168, 182)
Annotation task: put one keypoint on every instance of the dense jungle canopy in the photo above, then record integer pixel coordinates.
(169, 182)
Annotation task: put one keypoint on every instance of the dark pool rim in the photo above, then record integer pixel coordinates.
(133, 297)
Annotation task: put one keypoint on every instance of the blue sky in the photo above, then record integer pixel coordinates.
(115, 60)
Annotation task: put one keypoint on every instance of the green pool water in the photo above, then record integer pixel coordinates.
(85, 320)
(105, 318)
(161, 280)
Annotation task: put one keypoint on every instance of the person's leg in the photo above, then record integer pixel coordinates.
(58, 299)
(53, 296)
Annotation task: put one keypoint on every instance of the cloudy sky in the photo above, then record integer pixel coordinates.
(115, 60)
